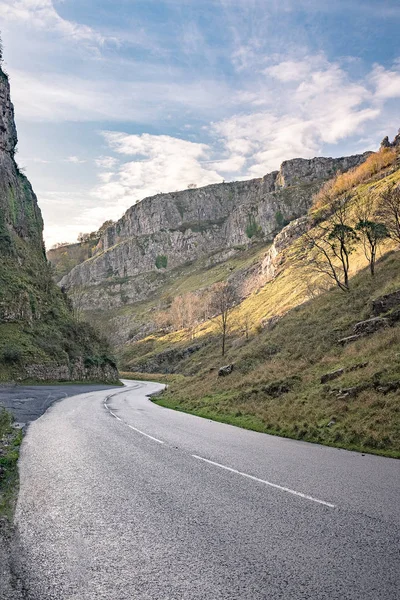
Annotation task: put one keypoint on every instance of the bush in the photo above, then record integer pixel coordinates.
(11, 355)
(253, 228)
(161, 261)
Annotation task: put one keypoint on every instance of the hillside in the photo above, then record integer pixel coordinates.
(296, 320)
(167, 231)
(40, 338)
(186, 240)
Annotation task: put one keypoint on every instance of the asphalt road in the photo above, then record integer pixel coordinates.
(122, 500)
(29, 402)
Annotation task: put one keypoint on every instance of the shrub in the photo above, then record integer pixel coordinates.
(161, 261)
(252, 228)
(11, 354)
(280, 219)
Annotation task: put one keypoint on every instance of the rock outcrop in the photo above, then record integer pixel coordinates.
(169, 230)
(385, 143)
(38, 332)
(283, 240)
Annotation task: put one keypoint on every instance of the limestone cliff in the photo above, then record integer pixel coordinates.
(166, 231)
(39, 337)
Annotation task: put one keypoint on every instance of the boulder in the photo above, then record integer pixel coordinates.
(282, 386)
(349, 339)
(391, 386)
(385, 303)
(224, 371)
(370, 325)
(352, 392)
(357, 367)
(331, 376)
(270, 323)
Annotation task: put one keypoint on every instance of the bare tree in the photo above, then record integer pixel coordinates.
(185, 313)
(330, 244)
(192, 186)
(177, 313)
(192, 305)
(224, 299)
(389, 211)
(246, 324)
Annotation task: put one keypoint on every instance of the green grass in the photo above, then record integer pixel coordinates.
(157, 377)
(10, 440)
(298, 351)
(36, 322)
(252, 423)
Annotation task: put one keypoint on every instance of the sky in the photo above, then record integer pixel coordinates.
(116, 100)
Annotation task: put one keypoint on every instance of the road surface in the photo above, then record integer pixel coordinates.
(121, 499)
(29, 402)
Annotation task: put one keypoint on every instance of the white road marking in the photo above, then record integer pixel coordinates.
(274, 485)
(131, 426)
(146, 434)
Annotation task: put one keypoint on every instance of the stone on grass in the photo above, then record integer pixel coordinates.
(224, 371)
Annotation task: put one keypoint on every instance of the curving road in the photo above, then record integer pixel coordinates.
(123, 500)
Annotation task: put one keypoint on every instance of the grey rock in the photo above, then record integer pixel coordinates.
(196, 224)
(273, 258)
(224, 371)
(385, 303)
(391, 386)
(331, 376)
(357, 367)
(370, 325)
(349, 339)
(385, 143)
(270, 323)
(352, 392)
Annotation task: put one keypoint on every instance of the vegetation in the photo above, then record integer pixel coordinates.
(284, 338)
(161, 261)
(276, 384)
(344, 183)
(10, 440)
(37, 325)
(329, 244)
(224, 300)
(253, 229)
(389, 210)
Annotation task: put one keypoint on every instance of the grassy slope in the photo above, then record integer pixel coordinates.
(65, 258)
(10, 440)
(302, 347)
(189, 278)
(45, 331)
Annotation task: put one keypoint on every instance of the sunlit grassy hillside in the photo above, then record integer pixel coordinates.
(276, 382)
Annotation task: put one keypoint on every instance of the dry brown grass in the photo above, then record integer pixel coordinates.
(344, 183)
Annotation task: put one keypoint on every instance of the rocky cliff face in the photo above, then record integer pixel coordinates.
(168, 230)
(19, 211)
(37, 327)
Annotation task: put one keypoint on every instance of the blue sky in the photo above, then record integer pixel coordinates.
(120, 99)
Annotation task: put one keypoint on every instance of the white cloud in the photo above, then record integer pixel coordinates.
(161, 164)
(41, 14)
(387, 83)
(106, 176)
(316, 104)
(61, 97)
(106, 162)
(75, 160)
(289, 70)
